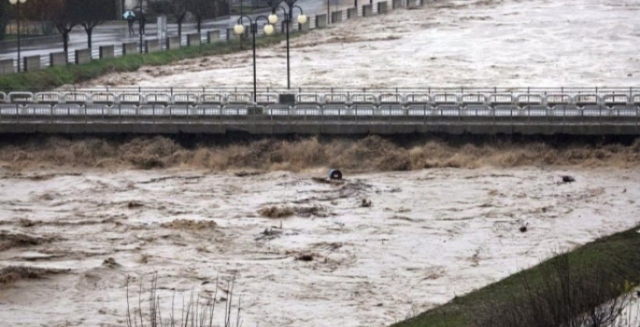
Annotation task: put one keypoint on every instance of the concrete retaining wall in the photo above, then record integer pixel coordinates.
(173, 42)
(383, 7)
(232, 36)
(367, 11)
(213, 36)
(6, 67)
(129, 48)
(193, 39)
(57, 59)
(304, 27)
(336, 16)
(321, 21)
(151, 46)
(31, 63)
(107, 51)
(83, 56)
(352, 13)
(283, 27)
(247, 32)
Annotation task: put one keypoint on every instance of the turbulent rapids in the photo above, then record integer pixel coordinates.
(372, 153)
(415, 222)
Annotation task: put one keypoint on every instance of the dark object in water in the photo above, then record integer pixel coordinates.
(568, 179)
(134, 204)
(305, 257)
(248, 173)
(523, 228)
(335, 174)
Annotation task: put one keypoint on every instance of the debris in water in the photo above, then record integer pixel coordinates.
(110, 262)
(316, 211)
(193, 225)
(327, 181)
(283, 212)
(305, 257)
(366, 203)
(248, 173)
(144, 259)
(269, 234)
(276, 212)
(335, 174)
(134, 204)
(568, 179)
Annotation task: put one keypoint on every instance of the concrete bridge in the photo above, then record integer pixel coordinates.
(324, 111)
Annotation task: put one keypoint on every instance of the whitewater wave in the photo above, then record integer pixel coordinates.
(371, 153)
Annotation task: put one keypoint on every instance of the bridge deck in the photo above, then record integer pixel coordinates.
(207, 111)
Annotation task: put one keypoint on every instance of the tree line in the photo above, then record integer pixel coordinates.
(65, 15)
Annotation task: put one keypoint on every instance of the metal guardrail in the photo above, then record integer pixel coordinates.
(432, 96)
(514, 91)
(388, 118)
(216, 113)
(27, 105)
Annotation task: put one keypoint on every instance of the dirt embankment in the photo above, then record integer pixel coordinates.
(372, 153)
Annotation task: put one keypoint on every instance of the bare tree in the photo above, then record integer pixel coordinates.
(175, 8)
(65, 20)
(205, 9)
(273, 4)
(92, 13)
(4, 17)
(43, 11)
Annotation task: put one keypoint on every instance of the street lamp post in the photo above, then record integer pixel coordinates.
(140, 26)
(17, 3)
(239, 29)
(288, 16)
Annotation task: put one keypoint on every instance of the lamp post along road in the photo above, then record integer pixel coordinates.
(288, 16)
(140, 26)
(239, 29)
(17, 3)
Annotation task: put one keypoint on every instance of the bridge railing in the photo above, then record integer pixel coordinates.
(277, 113)
(572, 91)
(363, 106)
(166, 97)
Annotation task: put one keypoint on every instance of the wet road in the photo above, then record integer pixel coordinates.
(116, 33)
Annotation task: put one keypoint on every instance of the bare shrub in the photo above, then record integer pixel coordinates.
(566, 293)
(198, 311)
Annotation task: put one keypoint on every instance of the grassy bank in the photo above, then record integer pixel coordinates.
(618, 256)
(53, 77)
